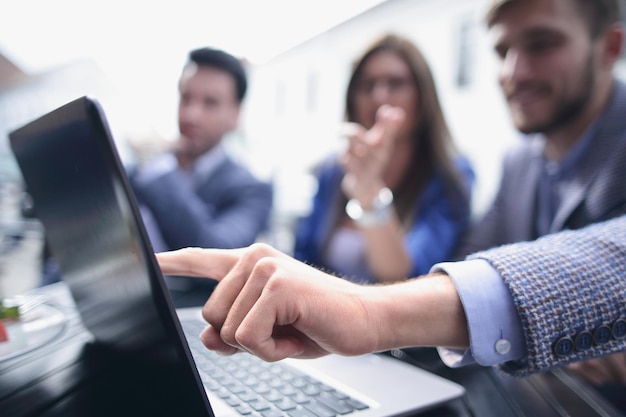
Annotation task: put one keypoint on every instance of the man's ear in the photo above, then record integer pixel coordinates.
(233, 120)
(613, 44)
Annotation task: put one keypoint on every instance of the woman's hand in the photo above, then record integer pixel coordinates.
(369, 153)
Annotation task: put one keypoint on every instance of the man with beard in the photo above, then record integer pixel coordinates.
(197, 195)
(569, 170)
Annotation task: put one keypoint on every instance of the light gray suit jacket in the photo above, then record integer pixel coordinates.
(597, 193)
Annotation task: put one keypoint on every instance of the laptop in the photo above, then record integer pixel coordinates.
(82, 196)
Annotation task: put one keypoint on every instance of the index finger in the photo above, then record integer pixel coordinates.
(198, 262)
(388, 121)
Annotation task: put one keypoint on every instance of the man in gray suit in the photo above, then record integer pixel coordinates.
(569, 169)
(196, 195)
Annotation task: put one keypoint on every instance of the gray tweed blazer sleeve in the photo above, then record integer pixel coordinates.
(569, 289)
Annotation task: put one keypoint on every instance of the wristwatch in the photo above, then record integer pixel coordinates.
(377, 215)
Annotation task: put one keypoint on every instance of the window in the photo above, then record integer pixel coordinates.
(465, 53)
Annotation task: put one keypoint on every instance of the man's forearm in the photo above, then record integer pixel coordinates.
(425, 311)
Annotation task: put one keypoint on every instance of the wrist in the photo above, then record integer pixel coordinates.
(422, 312)
(374, 214)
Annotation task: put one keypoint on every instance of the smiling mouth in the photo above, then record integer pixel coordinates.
(525, 97)
(526, 94)
(189, 132)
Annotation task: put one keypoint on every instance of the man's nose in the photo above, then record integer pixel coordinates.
(190, 111)
(515, 66)
(381, 91)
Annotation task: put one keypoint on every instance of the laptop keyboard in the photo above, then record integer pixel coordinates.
(254, 387)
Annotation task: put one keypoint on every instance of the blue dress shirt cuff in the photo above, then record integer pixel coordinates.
(495, 331)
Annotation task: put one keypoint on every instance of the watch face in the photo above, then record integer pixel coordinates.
(379, 213)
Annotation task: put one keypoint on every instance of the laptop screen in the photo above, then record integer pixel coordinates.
(83, 199)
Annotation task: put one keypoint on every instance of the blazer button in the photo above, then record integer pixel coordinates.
(619, 329)
(602, 335)
(564, 346)
(583, 341)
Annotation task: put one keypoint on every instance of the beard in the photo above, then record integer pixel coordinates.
(568, 106)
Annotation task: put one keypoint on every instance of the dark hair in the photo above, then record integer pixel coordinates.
(216, 58)
(599, 14)
(434, 149)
